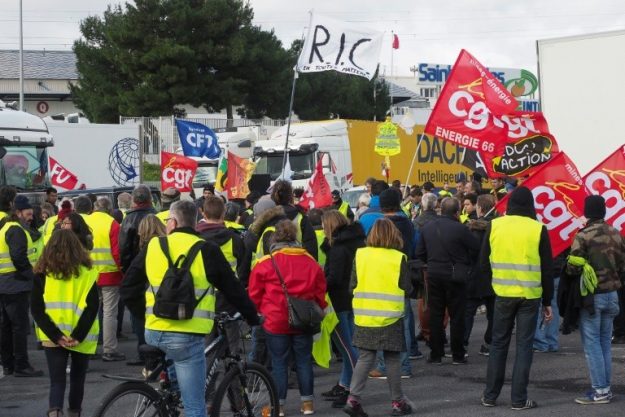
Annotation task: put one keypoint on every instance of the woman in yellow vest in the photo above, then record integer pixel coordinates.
(65, 305)
(380, 286)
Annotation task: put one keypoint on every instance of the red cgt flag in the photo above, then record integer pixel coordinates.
(395, 41)
(177, 171)
(318, 193)
(559, 200)
(471, 108)
(61, 177)
(608, 180)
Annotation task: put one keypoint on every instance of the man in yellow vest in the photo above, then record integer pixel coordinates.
(183, 340)
(342, 206)
(105, 256)
(516, 257)
(17, 255)
(213, 229)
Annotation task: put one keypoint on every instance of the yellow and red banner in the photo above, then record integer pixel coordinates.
(240, 171)
(608, 180)
(177, 171)
(559, 196)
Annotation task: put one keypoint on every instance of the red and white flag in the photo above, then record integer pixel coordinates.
(559, 200)
(177, 171)
(395, 41)
(608, 180)
(61, 177)
(317, 193)
(472, 107)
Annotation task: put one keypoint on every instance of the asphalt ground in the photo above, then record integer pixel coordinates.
(447, 390)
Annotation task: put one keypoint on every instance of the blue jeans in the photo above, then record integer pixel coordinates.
(507, 310)
(413, 347)
(596, 332)
(404, 357)
(342, 338)
(546, 337)
(280, 346)
(187, 352)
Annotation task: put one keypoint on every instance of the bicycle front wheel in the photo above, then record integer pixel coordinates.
(131, 399)
(253, 394)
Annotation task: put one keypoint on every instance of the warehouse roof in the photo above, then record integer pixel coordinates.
(52, 65)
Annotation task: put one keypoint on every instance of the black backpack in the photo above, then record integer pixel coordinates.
(175, 298)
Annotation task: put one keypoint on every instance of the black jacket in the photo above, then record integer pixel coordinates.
(50, 328)
(22, 279)
(480, 286)
(407, 231)
(218, 274)
(220, 234)
(460, 246)
(129, 236)
(424, 218)
(339, 264)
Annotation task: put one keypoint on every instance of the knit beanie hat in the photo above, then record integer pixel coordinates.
(390, 199)
(264, 203)
(594, 207)
(521, 203)
(66, 209)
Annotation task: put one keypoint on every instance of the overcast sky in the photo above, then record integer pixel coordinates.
(499, 33)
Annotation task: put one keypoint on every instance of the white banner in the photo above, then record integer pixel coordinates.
(344, 47)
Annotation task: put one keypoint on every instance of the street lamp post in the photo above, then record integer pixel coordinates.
(21, 62)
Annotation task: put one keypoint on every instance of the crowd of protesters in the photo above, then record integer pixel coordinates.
(404, 255)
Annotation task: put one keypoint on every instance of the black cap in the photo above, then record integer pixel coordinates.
(21, 203)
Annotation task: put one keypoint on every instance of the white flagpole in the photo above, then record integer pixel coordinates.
(390, 88)
(288, 122)
(412, 163)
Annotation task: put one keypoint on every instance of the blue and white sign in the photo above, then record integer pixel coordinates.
(197, 139)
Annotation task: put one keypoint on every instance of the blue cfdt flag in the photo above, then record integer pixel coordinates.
(197, 139)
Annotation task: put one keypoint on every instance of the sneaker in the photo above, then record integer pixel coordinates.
(401, 408)
(113, 357)
(525, 406)
(462, 361)
(27, 372)
(417, 355)
(618, 340)
(335, 391)
(281, 411)
(488, 403)
(593, 397)
(448, 355)
(375, 374)
(341, 400)
(406, 375)
(434, 361)
(354, 409)
(307, 408)
(484, 350)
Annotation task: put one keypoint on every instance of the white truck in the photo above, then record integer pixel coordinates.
(24, 143)
(581, 94)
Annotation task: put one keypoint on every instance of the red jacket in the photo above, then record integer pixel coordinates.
(112, 278)
(303, 277)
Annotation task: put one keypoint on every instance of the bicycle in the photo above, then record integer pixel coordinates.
(245, 390)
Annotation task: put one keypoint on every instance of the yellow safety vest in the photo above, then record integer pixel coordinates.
(515, 258)
(464, 218)
(3, 214)
(321, 254)
(321, 350)
(48, 228)
(378, 300)
(344, 208)
(444, 193)
(6, 264)
(235, 226)
(260, 248)
(163, 216)
(101, 254)
(406, 208)
(227, 250)
(65, 300)
(156, 264)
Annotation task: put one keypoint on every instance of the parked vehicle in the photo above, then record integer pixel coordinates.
(111, 193)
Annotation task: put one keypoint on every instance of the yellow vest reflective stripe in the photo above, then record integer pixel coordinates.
(515, 258)
(378, 300)
(321, 350)
(344, 208)
(260, 248)
(228, 252)
(6, 265)
(321, 254)
(163, 215)
(48, 228)
(101, 254)
(234, 225)
(297, 221)
(65, 300)
(156, 265)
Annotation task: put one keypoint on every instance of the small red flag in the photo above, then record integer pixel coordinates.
(395, 41)
(318, 193)
(177, 171)
(61, 177)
